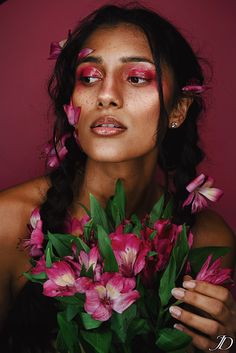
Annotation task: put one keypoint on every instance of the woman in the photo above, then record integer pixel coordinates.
(129, 87)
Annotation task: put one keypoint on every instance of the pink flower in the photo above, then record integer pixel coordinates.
(112, 293)
(194, 88)
(76, 226)
(52, 158)
(129, 252)
(35, 243)
(84, 52)
(40, 266)
(200, 190)
(214, 273)
(56, 48)
(62, 280)
(91, 259)
(72, 113)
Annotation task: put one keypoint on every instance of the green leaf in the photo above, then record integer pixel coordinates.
(128, 228)
(118, 203)
(98, 214)
(49, 254)
(137, 224)
(81, 245)
(62, 243)
(170, 340)
(167, 282)
(87, 229)
(152, 253)
(69, 331)
(197, 256)
(121, 322)
(88, 322)
(104, 244)
(168, 211)
(60, 343)
(138, 327)
(181, 250)
(71, 311)
(37, 278)
(77, 299)
(100, 341)
(157, 210)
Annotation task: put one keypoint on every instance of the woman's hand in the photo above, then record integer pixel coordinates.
(213, 314)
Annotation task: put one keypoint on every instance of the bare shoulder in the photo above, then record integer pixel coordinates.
(210, 229)
(16, 206)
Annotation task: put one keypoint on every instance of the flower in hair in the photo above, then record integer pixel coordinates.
(72, 113)
(84, 52)
(55, 156)
(35, 243)
(194, 87)
(200, 190)
(56, 47)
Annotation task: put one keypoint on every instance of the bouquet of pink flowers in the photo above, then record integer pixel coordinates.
(113, 283)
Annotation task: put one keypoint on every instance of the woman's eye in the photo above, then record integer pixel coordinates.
(88, 79)
(137, 80)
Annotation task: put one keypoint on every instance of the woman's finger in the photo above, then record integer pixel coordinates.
(216, 308)
(210, 290)
(201, 342)
(207, 326)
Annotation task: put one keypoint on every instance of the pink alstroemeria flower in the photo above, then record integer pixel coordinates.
(84, 52)
(62, 280)
(112, 293)
(76, 226)
(40, 266)
(35, 243)
(52, 159)
(195, 88)
(72, 113)
(214, 273)
(200, 190)
(129, 252)
(55, 49)
(91, 259)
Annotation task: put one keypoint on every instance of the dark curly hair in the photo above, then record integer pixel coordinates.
(179, 153)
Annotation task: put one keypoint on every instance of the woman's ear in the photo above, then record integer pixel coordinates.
(179, 112)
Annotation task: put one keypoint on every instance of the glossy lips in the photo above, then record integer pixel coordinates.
(107, 126)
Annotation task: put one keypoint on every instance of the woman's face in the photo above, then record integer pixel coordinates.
(116, 85)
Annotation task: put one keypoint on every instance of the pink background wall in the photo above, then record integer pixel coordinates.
(28, 27)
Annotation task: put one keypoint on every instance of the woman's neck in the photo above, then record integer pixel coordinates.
(138, 177)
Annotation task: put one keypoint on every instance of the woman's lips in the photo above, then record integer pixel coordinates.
(107, 126)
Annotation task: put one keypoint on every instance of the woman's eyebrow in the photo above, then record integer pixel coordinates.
(128, 59)
(124, 59)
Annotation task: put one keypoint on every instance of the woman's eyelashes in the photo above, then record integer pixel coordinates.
(89, 75)
(134, 76)
(140, 77)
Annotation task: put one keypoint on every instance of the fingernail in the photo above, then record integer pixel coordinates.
(179, 327)
(178, 293)
(189, 284)
(175, 311)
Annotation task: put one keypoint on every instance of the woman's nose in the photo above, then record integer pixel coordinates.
(110, 94)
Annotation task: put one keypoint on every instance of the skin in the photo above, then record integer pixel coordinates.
(106, 87)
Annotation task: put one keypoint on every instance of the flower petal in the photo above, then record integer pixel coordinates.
(84, 52)
(212, 194)
(124, 300)
(72, 113)
(196, 183)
